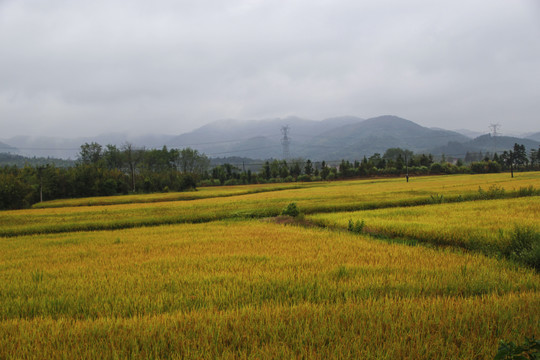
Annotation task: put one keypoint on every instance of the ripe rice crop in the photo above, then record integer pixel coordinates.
(385, 328)
(239, 289)
(486, 225)
(319, 197)
(201, 193)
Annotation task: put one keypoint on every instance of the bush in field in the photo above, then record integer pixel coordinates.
(524, 247)
(331, 176)
(291, 210)
(437, 199)
(510, 351)
(207, 182)
(494, 192)
(484, 167)
(231, 182)
(356, 227)
(528, 191)
(304, 178)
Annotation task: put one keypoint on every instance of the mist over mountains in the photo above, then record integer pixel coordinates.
(346, 137)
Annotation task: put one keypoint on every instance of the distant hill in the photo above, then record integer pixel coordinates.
(330, 139)
(535, 136)
(5, 148)
(376, 135)
(256, 138)
(469, 133)
(21, 161)
(484, 143)
(345, 137)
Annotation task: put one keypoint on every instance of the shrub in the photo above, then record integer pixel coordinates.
(391, 171)
(494, 167)
(356, 227)
(291, 210)
(437, 199)
(304, 178)
(527, 191)
(524, 247)
(484, 167)
(231, 182)
(448, 168)
(494, 192)
(436, 168)
(478, 167)
(508, 350)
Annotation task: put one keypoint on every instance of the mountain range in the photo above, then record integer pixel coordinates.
(336, 138)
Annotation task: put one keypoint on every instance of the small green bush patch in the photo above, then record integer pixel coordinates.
(356, 227)
(291, 210)
(510, 351)
(524, 247)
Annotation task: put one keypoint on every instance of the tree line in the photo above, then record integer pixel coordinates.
(112, 170)
(103, 171)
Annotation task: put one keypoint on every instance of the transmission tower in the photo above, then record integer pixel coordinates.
(285, 141)
(495, 133)
(494, 128)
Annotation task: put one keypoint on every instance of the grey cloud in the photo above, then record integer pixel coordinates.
(170, 66)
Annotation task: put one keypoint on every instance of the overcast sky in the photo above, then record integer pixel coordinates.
(75, 68)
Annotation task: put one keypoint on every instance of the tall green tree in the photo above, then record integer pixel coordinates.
(113, 157)
(192, 161)
(90, 153)
(132, 158)
(15, 193)
(308, 168)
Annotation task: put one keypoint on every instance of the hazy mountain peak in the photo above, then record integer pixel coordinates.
(390, 120)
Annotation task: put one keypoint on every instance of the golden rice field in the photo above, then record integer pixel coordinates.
(368, 191)
(485, 225)
(200, 193)
(313, 198)
(241, 289)
(207, 279)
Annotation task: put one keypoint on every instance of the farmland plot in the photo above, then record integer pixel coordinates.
(253, 289)
(162, 277)
(321, 197)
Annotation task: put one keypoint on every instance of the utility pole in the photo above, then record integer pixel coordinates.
(285, 142)
(40, 174)
(406, 167)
